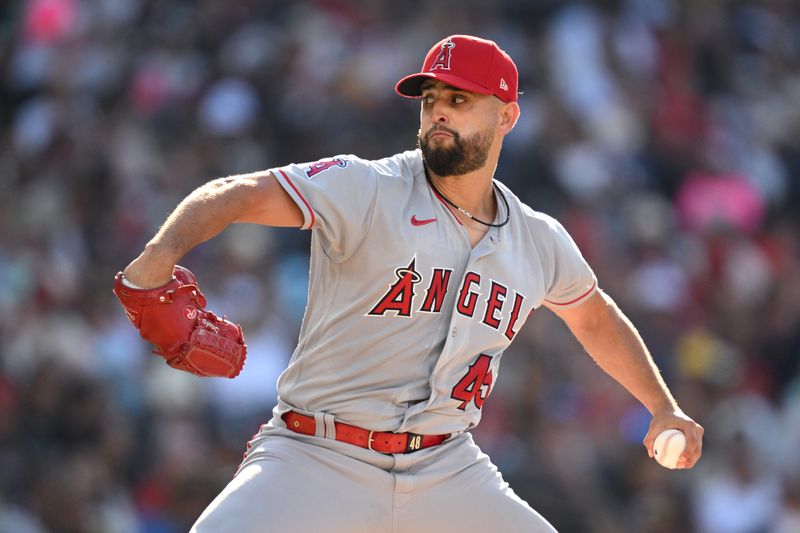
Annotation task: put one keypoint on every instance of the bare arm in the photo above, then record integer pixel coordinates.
(203, 214)
(612, 341)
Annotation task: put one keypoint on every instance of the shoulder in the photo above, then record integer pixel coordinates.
(405, 165)
(533, 220)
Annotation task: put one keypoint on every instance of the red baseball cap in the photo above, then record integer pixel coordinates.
(469, 63)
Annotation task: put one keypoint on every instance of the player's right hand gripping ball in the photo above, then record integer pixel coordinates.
(173, 317)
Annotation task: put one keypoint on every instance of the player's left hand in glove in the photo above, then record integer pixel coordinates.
(173, 317)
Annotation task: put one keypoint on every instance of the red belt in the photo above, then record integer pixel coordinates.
(379, 441)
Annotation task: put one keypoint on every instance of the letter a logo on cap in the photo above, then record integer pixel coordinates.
(442, 61)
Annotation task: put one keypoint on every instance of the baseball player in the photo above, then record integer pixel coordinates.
(423, 270)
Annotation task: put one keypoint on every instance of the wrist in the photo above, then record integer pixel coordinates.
(664, 406)
(153, 268)
(158, 253)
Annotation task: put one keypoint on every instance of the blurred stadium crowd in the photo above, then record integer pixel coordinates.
(664, 134)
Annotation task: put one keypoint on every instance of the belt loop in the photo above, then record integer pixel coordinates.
(319, 425)
(330, 427)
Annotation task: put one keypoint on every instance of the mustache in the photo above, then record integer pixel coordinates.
(438, 129)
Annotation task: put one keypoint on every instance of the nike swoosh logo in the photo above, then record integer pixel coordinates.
(417, 222)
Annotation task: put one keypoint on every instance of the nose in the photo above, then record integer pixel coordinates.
(439, 112)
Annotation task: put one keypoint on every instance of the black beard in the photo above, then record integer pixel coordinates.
(463, 156)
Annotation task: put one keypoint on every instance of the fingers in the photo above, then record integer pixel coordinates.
(694, 445)
(691, 430)
(649, 441)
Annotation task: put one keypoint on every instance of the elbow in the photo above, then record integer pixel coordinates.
(220, 186)
(600, 315)
(235, 193)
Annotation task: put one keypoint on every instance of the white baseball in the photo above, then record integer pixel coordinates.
(668, 447)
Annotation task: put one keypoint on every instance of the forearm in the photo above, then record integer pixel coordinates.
(616, 346)
(204, 213)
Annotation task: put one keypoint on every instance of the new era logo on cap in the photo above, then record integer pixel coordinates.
(469, 63)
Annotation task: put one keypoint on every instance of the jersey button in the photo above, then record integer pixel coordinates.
(453, 333)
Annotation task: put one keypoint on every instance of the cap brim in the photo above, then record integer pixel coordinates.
(411, 85)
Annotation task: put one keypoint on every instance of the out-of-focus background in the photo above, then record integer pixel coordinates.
(664, 134)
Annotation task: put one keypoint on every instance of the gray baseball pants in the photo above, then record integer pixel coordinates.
(296, 483)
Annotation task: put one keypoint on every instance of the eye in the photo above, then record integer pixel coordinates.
(427, 99)
(458, 99)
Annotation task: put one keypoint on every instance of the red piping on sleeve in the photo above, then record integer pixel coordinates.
(576, 299)
(292, 185)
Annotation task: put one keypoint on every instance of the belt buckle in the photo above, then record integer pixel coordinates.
(370, 440)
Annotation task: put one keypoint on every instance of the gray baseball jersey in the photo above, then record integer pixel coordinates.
(406, 322)
(405, 326)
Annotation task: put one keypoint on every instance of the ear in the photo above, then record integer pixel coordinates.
(509, 114)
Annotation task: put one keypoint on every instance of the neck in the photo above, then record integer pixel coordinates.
(472, 192)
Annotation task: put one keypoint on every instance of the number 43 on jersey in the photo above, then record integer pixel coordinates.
(476, 383)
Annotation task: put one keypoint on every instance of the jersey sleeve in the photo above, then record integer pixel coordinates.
(337, 197)
(571, 278)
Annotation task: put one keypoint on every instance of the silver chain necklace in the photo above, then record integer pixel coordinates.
(467, 213)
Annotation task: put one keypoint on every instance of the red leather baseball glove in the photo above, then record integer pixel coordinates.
(173, 317)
